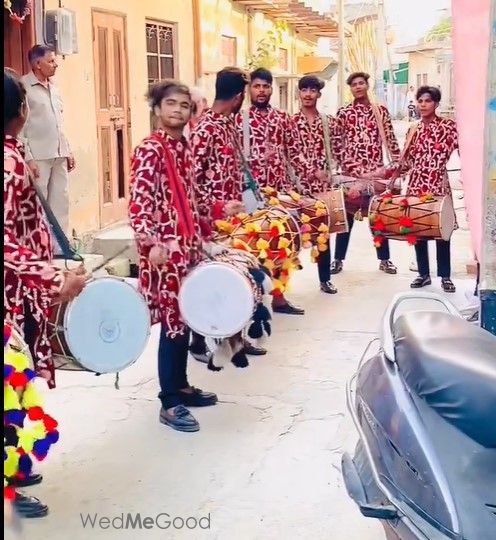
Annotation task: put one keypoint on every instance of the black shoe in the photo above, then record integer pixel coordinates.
(336, 266)
(288, 309)
(388, 267)
(29, 507)
(448, 285)
(198, 398)
(180, 419)
(31, 480)
(251, 350)
(328, 288)
(420, 281)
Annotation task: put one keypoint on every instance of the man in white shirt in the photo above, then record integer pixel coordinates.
(47, 150)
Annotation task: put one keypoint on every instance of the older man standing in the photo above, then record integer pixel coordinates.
(47, 150)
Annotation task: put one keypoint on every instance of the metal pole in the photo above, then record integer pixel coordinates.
(488, 258)
(341, 53)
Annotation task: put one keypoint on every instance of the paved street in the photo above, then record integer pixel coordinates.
(265, 464)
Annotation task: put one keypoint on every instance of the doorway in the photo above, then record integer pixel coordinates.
(112, 113)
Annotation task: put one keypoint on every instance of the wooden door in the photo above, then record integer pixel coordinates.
(17, 40)
(112, 112)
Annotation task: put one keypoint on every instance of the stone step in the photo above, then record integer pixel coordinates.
(110, 243)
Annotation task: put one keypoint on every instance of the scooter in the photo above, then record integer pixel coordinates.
(424, 406)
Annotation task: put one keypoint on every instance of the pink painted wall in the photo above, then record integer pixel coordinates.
(471, 31)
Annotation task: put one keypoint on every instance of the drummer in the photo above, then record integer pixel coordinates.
(166, 224)
(314, 170)
(218, 169)
(363, 126)
(31, 281)
(432, 141)
(269, 145)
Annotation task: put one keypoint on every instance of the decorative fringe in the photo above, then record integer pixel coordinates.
(261, 319)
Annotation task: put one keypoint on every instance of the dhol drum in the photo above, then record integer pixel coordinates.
(311, 214)
(271, 233)
(218, 297)
(358, 192)
(334, 200)
(404, 218)
(103, 330)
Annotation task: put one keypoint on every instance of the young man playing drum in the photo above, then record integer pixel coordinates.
(31, 282)
(318, 141)
(430, 144)
(166, 223)
(218, 167)
(364, 129)
(269, 146)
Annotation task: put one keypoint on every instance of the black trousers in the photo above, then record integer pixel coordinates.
(324, 264)
(172, 364)
(343, 239)
(443, 254)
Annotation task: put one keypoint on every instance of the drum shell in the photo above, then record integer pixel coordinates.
(263, 218)
(334, 200)
(432, 219)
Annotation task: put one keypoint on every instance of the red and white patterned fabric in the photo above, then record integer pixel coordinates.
(311, 144)
(28, 273)
(273, 146)
(427, 156)
(217, 163)
(361, 139)
(155, 221)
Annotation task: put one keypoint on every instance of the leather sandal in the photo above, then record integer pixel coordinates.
(447, 285)
(420, 281)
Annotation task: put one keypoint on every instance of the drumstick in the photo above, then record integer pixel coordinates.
(106, 261)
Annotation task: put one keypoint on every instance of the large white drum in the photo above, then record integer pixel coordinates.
(104, 330)
(217, 299)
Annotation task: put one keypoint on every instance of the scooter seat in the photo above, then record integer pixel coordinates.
(451, 364)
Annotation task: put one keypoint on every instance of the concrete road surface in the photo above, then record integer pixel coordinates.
(266, 463)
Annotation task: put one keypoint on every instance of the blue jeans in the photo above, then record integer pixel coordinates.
(172, 363)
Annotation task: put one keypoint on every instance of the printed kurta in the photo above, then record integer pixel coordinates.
(155, 221)
(311, 144)
(218, 169)
(427, 156)
(29, 276)
(361, 139)
(272, 146)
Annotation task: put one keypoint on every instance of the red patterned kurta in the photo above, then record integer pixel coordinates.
(361, 140)
(311, 144)
(217, 162)
(427, 156)
(273, 146)
(28, 273)
(154, 219)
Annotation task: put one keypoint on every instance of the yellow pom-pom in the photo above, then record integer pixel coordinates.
(321, 204)
(287, 265)
(11, 464)
(262, 244)
(269, 264)
(323, 228)
(304, 218)
(322, 247)
(273, 201)
(252, 227)
(26, 440)
(242, 215)
(321, 212)
(224, 226)
(314, 253)
(16, 359)
(294, 195)
(306, 237)
(276, 224)
(10, 399)
(283, 243)
(321, 239)
(31, 397)
(263, 254)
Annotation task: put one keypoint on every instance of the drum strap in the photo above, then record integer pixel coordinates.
(68, 252)
(183, 208)
(327, 141)
(382, 132)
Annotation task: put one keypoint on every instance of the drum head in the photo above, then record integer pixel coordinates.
(107, 326)
(447, 218)
(216, 300)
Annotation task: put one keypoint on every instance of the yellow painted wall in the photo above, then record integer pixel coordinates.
(76, 80)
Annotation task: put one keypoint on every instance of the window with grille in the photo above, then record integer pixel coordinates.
(283, 59)
(161, 51)
(228, 51)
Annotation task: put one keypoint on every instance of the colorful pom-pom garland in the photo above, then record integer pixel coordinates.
(35, 431)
